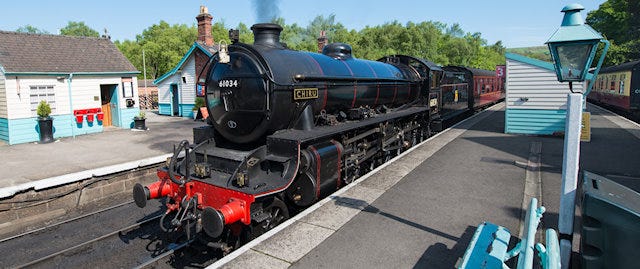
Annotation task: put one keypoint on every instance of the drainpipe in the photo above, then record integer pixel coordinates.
(73, 132)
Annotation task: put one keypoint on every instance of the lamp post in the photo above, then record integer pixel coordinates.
(573, 47)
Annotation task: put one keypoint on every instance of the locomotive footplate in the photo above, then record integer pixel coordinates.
(272, 168)
(323, 132)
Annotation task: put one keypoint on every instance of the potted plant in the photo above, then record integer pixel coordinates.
(199, 102)
(45, 123)
(139, 121)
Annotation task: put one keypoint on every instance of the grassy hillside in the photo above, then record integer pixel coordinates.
(539, 52)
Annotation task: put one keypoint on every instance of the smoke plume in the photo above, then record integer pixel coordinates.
(266, 10)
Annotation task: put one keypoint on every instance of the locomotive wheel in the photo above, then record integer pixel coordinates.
(278, 213)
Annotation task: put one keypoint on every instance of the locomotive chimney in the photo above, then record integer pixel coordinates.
(204, 27)
(267, 34)
(322, 41)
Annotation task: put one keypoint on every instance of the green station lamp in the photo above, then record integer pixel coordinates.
(573, 47)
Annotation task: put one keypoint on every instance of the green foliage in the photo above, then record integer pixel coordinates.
(199, 102)
(31, 30)
(619, 22)
(538, 52)
(78, 29)
(429, 40)
(165, 44)
(44, 109)
(141, 115)
(219, 32)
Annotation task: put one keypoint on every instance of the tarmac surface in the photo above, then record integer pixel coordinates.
(25, 164)
(422, 210)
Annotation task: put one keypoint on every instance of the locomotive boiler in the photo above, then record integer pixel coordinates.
(287, 128)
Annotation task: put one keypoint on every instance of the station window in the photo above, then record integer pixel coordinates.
(42, 92)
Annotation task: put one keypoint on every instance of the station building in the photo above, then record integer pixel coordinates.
(87, 82)
(178, 88)
(536, 103)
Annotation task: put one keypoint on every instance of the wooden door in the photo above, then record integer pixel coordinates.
(106, 109)
(105, 96)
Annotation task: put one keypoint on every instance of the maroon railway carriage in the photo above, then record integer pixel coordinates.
(618, 87)
(459, 83)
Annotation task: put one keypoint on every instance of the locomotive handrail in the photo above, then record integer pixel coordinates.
(184, 144)
(300, 77)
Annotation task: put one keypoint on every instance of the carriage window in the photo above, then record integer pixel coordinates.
(621, 85)
(612, 85)
(601, 84)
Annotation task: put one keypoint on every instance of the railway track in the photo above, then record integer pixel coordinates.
(117, 236)
(71, 241)
(49, 227)
(59, 255)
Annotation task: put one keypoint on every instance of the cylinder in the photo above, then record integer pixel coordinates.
(320, 173)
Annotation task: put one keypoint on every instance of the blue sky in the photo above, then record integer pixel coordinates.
(516, 23)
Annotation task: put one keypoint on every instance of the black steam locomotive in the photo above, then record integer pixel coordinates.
(287, 128)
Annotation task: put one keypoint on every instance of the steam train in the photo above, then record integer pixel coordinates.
(287, 128)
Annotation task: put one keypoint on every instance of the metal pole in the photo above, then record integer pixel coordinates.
(73, 117)
(146, 90)
(570, 166)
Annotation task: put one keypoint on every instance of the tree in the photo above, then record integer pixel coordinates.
(78, 29)
(220, 32)
(164, 45)
(611, 19)
(618, 21)
(31, 30)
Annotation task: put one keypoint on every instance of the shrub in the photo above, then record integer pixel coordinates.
(198, 103)
(44, 109)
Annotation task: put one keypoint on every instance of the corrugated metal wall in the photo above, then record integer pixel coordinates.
(536, 101)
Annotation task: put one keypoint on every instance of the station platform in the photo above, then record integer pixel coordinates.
(421, 210)
(67, 160)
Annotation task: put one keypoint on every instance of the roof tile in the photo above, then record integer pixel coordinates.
(21, 52)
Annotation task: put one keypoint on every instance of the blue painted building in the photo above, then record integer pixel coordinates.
(177, 88)
(88, 83)
(536, 103)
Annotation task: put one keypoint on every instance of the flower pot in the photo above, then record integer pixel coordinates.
(45, 125)
(139, 123)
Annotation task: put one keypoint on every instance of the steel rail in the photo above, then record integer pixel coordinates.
(163, 255)
(56, 254)
(65, 221)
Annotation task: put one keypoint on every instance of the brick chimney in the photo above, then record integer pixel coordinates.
(204, 27)
(322, 41)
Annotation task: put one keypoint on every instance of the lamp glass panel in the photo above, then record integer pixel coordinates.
(573, 60)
